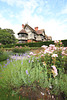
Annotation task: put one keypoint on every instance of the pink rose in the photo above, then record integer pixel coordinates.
(55, 70)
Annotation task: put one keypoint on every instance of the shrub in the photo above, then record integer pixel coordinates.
(1, 52)
(64, 42)
(3, 55)
(9, 45)
(20, 49)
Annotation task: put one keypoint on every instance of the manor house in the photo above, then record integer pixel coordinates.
(28, 34)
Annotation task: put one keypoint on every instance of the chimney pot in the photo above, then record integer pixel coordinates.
(22, 25)
(36, 28)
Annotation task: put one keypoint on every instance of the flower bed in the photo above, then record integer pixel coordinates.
(45, 70)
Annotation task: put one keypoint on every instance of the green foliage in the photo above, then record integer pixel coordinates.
(1, 52)
(3, 55)
(39, 44)
(9, 45)
(64, 42)
(20, 49)
(1, 46)
(35, 44)
(60, 85)
(7, 36)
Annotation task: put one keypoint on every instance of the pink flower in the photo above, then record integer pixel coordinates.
(63, 52)
(0, 44)
(31, 53)
(56, 41)
(51, 45)
(60, 42)
(53, 67)
(34, 54)
(20, 46)
(28, 56)
(55, 71)
(16, 47)
(46, 51)
(44, 46)
(54, 55)
(42, 55)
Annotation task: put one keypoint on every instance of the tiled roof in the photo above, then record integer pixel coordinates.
(49, 37)
(22, 31)
(40, 31)
(33, 30)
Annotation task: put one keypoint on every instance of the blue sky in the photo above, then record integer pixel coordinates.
(50, 15)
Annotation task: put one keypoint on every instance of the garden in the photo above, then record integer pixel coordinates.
(40, 74)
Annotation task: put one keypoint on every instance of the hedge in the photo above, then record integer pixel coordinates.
(64, 42)
(34, 44)
(7, 46)
(39, 44)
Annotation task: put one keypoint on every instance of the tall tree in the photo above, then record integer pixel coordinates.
(7, 36)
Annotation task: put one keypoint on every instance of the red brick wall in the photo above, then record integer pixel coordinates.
(29, 41)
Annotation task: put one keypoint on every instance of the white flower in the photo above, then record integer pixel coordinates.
(44, 46)
(54, 55)
(51, 45)
(56, 41)
(42, 93)
(31, 53)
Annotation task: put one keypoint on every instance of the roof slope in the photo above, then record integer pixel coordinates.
(33, 30)
(29, 27)
(22, 31)
(40, 31)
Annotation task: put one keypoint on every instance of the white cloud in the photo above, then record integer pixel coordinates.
(64, 10)
(7, 24)
(56, 30)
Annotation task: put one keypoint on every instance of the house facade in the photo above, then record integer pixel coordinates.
(28, 34)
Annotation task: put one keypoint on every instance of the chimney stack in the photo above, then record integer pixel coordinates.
(36, 28)
(23, 26)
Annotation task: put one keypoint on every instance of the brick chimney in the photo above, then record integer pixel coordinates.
(22, 25)
(36, 28)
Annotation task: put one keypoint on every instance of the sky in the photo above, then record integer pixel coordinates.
(50, 15)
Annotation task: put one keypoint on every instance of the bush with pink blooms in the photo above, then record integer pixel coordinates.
(55, 55)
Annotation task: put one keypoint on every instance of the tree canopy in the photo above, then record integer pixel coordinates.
(7, 36)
